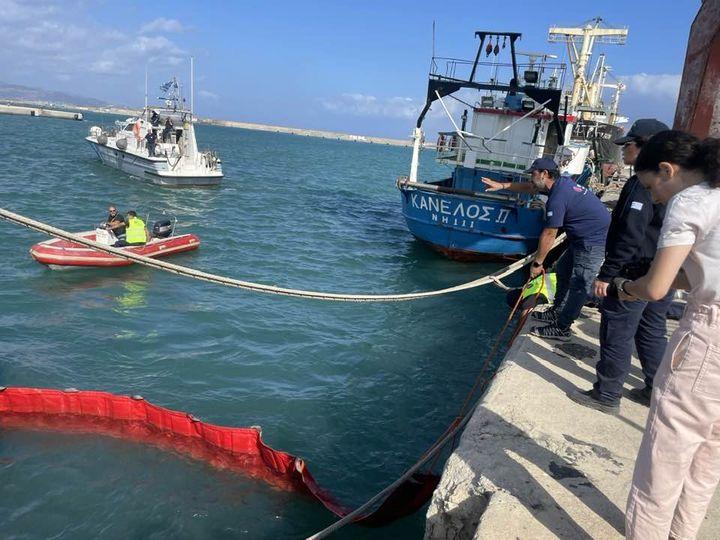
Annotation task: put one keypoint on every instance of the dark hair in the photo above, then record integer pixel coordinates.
(131, 213)
(684, 150)
(554, 175)
(640, 141)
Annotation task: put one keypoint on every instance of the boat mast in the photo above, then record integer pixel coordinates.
(146, 92)
(587, 36)
(192, 86)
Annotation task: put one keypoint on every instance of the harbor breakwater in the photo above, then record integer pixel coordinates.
(38, 111)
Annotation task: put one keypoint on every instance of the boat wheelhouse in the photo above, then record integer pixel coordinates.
(174, 160)
(515, 120)
(520, 112)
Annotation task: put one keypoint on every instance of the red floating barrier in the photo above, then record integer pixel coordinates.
(238, 449)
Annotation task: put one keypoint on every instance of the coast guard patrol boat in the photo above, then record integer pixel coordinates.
(176, 160)
(522, 114)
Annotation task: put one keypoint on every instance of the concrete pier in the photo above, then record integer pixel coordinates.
(37, 111)
(531, 463)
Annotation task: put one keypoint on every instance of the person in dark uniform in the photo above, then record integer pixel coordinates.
(167, 131)
(115, 222)
(631, 245)
(151, 139)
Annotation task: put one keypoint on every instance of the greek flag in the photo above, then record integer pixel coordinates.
(168, 85)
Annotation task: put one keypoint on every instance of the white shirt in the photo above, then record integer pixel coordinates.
(693, 219)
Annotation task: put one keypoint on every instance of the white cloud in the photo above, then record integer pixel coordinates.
(162, 25)
(42, 38)
(650, 96)
(13, 11)
(663, 86)
(366, 105)
(208, 95)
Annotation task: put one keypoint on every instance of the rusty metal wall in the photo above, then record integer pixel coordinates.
(698, 107)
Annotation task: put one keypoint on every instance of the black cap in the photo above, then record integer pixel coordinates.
(543, 164)
(645, 127)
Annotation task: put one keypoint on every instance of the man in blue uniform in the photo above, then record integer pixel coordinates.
(631, 245)
(585, 220)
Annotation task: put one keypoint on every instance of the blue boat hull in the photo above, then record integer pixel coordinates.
(471, 227)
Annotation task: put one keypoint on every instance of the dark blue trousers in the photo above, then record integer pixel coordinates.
(621, 325)
(576, 271)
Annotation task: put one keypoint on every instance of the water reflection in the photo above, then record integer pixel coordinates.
(134, 297)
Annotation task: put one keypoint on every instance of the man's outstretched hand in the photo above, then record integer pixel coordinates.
(492, 185)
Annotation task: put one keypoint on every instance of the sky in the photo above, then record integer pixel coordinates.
(350, 66)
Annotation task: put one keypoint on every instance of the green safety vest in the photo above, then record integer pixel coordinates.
(135, 232)
(543, 284)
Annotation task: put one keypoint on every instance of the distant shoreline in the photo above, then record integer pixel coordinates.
(322, 134)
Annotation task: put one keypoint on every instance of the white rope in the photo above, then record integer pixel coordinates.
(258, 287)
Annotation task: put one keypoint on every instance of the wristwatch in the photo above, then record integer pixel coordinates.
(537, 264)
(622, 287)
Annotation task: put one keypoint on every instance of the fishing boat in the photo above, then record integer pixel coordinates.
(521, 113)
(59, 253)
(174, 160)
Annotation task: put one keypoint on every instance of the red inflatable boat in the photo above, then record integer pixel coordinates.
(57, 253)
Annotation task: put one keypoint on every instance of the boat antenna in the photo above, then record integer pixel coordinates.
(192, 85)
(433, 39)
(146, 93)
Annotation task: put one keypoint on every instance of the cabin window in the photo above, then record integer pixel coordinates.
(129, 127)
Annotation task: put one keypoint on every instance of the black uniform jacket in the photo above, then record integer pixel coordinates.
(633, 234)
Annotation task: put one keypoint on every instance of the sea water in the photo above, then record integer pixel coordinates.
(358, 390)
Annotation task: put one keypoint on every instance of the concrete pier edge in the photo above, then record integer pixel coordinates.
(531, 463)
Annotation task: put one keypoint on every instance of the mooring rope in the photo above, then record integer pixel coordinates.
(259, 287)
(451, 433)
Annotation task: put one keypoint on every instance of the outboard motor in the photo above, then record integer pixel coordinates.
(162, 229)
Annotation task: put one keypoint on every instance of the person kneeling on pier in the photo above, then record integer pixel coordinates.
(136, 233)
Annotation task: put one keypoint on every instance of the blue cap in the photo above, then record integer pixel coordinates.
(643, 128)
(543, 164)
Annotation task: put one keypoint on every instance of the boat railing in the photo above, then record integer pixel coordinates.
(210, 159)
(452, 149)
(109, 131)
(404, 182)
(549, 74)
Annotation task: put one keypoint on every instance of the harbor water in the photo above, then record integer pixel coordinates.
(358, 390)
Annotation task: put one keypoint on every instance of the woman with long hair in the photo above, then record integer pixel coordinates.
(678, 464)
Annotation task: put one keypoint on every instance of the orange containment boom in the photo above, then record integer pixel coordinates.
(238, 449)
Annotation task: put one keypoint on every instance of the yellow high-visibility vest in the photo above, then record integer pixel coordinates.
(135, 232)
(543, 284)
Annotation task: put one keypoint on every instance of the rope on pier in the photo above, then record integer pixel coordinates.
(259, 287)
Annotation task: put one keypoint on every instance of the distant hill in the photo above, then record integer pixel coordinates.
(26, 93)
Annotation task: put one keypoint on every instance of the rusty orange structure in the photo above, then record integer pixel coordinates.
(698, 107)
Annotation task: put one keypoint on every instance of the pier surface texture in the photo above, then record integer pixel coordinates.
(531, 463)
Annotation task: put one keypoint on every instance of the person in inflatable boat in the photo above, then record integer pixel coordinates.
(136, 233)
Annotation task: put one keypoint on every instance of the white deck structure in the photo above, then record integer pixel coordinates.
(175, 159)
